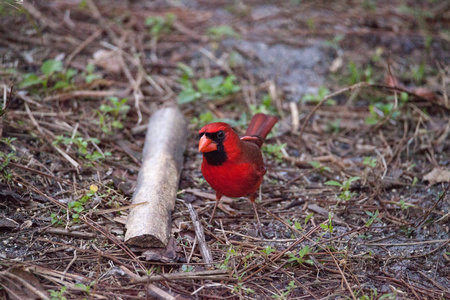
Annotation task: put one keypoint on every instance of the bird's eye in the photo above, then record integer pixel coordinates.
(221, 134)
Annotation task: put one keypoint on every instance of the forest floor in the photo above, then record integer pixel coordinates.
(355, 203)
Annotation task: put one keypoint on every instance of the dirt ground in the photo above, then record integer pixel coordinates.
(355, 203)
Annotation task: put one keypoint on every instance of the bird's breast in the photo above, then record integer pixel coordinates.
(234, 179)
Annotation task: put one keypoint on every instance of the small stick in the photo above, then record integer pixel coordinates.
(199, 232)
(208, 274)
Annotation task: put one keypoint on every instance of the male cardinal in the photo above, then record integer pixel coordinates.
(234, 166)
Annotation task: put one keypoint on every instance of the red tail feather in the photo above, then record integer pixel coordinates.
(261, 125)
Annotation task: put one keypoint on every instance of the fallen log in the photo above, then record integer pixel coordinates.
(148, 225)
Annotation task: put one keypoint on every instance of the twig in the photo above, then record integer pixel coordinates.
(87, 94)
(77, 234)
(200, 234)
(70, 264)
(208, 274)
(83, 45)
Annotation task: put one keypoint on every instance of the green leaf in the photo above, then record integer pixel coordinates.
(106, 108)
(208, 85)
(70, 73)
(60, 85)
(314, 164)
(29, 80)
(90, 68)
(51, 66)
(185, 82)
(188, 95)
(219, 32)
(351, 179)
(303, 251)
(372, 120)
(229, 87)
(333, 182)
(117, 124)
(91, 77)
(185, 69)
(308, 217)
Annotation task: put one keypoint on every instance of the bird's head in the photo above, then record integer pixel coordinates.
(217, 142)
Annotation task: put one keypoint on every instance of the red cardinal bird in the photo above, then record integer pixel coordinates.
(234, 166)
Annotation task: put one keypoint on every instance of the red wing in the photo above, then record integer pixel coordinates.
(253, 139)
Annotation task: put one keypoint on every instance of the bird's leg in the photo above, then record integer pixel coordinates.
(252, 199)
(218, 196)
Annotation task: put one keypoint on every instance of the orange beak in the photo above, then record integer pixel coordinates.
(206, 145)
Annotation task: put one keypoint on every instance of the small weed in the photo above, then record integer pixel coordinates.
(55, 219)
(230, 253)
(89, 75)
(358, 74)
(111, 115)
(79, 142)
(58, 295)
(82, 147)
(318, 167)
(373, 218)
(221, 32)
(268, 250)
(78, 206)
(344, 187)
(53, 71)
(418, 73)
(6, 158)
(209, 88)
(83, 287)
(328, 227)
(380, 111)
(316, 98)
(203, 119)
(159, 24)
(284, 295)
(405, 205)
(274, 150)
(299, 258)
(370, 161)
(298, 226)
(265, 107)
(208, 117)
(308, 217)
(240, 287)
